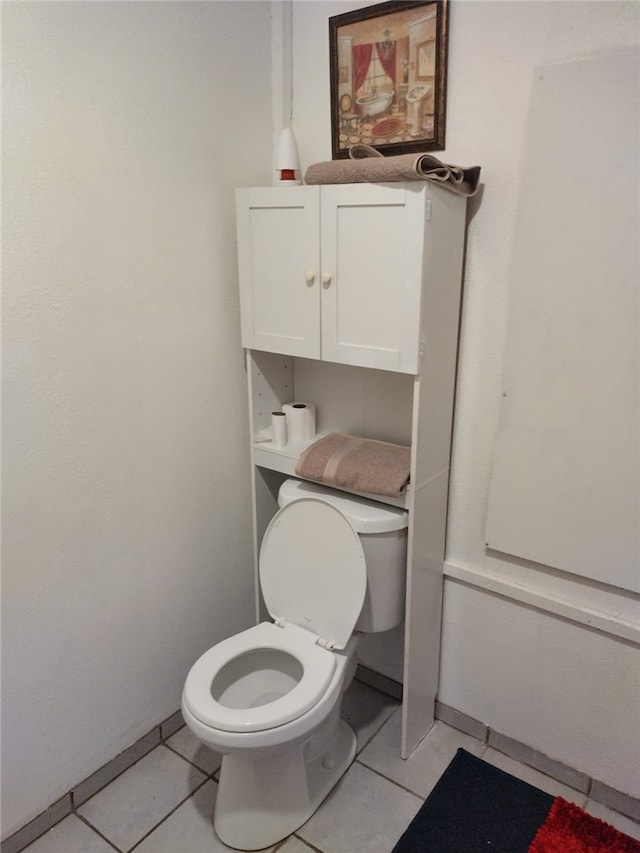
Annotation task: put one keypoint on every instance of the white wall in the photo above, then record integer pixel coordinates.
(517, 652)
(126, 531)
(126, 500)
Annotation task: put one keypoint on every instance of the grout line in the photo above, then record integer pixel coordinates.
(97, 831)
(118, 774)
(376, 732)
(125, 767)
(191, 763)
(41, 824)
(168, 815)
(393, 781)
(441, 716)
(304, 841)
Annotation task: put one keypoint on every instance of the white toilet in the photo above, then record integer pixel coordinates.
(268, 699)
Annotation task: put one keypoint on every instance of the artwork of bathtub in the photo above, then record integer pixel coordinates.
(373, 105)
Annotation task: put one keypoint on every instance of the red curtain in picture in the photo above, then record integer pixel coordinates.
(387, 54)
(361, 61)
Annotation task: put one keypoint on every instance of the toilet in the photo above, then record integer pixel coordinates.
(331, 565)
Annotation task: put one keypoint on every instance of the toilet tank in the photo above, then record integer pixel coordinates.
(383, 534)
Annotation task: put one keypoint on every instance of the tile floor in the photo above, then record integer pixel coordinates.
(164, 802)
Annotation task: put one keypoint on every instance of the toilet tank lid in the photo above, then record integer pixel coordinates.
(366, 516)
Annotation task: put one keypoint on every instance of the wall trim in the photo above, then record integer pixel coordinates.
(515, 589)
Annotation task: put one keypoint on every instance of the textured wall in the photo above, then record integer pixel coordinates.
(126, 482)
(495, 48)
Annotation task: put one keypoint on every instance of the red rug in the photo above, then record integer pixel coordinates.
(569, 829)
(386, 127)
(477, 808)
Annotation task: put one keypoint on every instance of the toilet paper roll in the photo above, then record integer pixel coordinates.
(301, 421)
(278, 429)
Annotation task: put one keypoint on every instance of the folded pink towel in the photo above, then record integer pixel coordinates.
(359, 464)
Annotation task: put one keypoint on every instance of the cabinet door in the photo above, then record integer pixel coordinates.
(372, 242)
(278, 259)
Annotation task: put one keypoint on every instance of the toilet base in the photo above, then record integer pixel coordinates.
(264, 798)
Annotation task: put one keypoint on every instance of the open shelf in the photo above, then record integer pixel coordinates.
(285, 459)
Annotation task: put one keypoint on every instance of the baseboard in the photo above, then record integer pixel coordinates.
(380, 682)
(78, 795)
(594, 789)
(66, 805)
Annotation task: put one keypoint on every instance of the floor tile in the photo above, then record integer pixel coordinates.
(71, 834)
(534, 777)
(105, 775)
(189, 829)
(127, 809)
(421, 771)
(365, 710)
(364, 812)
(45, 821)
(188, 745)
(295, 845)
(620, 821)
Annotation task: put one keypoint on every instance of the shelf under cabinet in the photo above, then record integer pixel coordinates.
(285, 459)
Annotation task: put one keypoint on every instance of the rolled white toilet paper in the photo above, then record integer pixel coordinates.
(278, 429)
(301, 421)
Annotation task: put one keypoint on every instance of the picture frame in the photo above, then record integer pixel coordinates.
(388, 75)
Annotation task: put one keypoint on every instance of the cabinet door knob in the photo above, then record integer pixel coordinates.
(309, 277)
(326, 279)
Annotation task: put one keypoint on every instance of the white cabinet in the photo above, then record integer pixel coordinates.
(350, 299)
(335, 272)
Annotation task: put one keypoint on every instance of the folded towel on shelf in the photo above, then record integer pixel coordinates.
(367, 165)
(358, 464)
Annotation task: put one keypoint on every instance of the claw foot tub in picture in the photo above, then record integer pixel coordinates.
(375, 103)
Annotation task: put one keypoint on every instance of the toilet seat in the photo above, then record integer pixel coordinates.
(313, 570)
(318, 665)
(313, 578)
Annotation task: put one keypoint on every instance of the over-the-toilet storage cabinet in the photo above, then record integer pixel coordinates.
(350, 299)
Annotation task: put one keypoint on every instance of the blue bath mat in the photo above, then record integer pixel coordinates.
(476, 808)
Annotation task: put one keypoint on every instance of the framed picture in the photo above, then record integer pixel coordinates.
(388, 70)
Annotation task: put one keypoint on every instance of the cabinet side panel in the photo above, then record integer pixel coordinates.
(271, 385)
(443, 260)
(427, 524)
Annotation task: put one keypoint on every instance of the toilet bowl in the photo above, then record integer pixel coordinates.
(269, 697)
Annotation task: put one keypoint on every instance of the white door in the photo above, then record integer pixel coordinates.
(372, 238)
(278, 259)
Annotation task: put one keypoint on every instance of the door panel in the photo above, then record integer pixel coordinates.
(370, 248)
(278, 266)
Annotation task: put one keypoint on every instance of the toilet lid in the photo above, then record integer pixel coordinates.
(312, 570)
